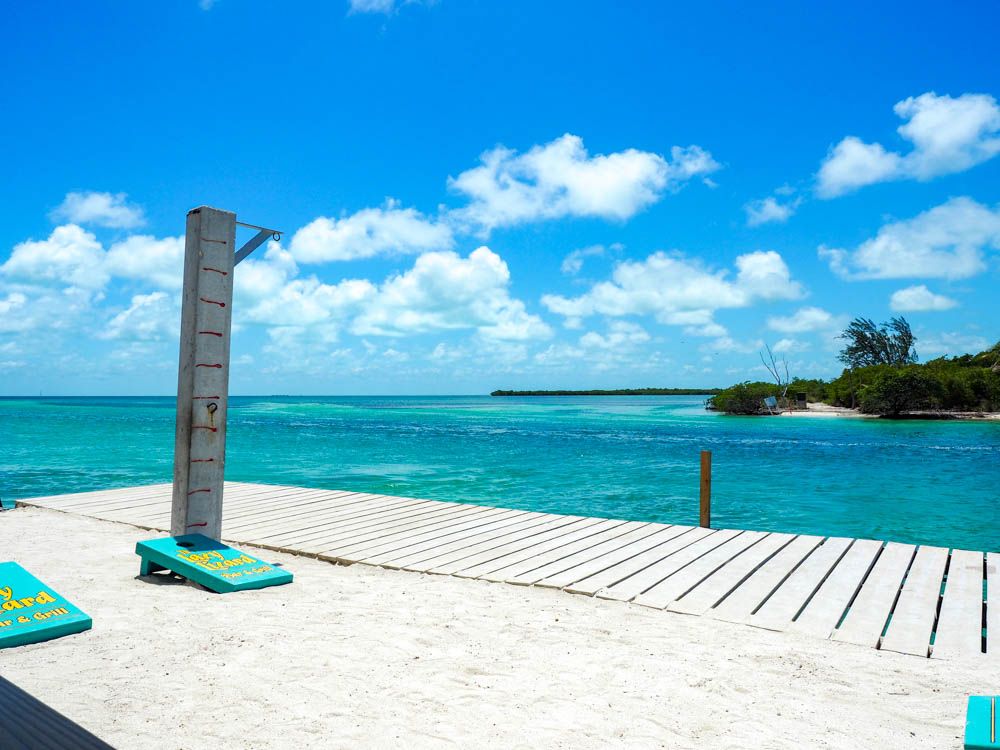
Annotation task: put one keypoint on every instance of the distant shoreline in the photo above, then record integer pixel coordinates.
(619, 392)
(824, 410)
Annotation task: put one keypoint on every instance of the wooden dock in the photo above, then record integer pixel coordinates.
(925, 601)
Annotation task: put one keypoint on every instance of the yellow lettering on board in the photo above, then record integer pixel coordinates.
(5, 623)
(44, 597)
(6, 593)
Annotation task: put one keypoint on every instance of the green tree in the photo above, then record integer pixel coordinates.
(888, 344)
(897, 391)
(744, 398)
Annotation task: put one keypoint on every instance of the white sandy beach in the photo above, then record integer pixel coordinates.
(361, 657)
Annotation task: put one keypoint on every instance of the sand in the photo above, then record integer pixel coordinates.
(361, 657)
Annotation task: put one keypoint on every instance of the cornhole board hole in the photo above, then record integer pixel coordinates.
(31, 612)
(214, 565)
(981, 730)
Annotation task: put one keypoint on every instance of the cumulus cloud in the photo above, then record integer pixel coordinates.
(388, 7)
(947, 241)
(679, 291)
(11, 310)
(561, 179)
(150, 317)
(71, 255)
(445, 291)
(919, 299)
(102, 209)
(269, 292)
(143, 257)
(952, 343)
(788, 345)
(805, 319)
(371, 231)
(621, 335)
(947, 134)
(769, 210)
(573, 263)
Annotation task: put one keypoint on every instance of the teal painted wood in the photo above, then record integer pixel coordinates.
(981, 730)
(7, 504)
(31, 611)
(214, 565)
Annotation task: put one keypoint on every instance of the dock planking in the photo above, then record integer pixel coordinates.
(918, 600)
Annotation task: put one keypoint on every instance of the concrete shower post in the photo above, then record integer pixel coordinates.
(203, 373)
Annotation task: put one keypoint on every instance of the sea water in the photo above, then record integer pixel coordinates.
(927, 482)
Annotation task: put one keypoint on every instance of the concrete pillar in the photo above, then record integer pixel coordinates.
(203, 373)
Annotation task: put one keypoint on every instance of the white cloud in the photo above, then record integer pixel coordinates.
(102, 209)
(769, 210)
(445, 291)
(143, 257)
(12, 308)
(729, 345)
(71, 255)
(948, 135)
(573, 262)
(371, 231)
(945, 242)
(790, 346)
(562, 179)
(919, 299)
(951, 343)
(388, 7)
(678, 291)
(805, 319)
(621, 335)
(150, 317)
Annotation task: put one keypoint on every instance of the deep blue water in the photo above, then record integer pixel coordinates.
(626, 457)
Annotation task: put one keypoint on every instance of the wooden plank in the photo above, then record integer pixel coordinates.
(993, 604)
(141, 495)
(247, 502)
(354, 549)
(687, 535)
(960, 623)
(779, 610)
(591, 560)
(423, 560)
(909, 630)
(628, 588)
(507, 568)
(371, 526)
(715, 587)
(493, 528)
(868, 614)
(82, 498)
(630, 555)
(764, 581)
(824, 610)
(298, 517)
(338, 543)
(686, 578)
(239, 515)
(478, 563)
(322, 520)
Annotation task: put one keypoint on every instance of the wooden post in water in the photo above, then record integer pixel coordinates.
(705, 516)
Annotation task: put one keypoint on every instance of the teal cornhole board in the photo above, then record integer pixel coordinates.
(31, 612)
(214, 565)
(7, 504)
(981, 730)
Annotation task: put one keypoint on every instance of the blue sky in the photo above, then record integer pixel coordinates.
(478, 194)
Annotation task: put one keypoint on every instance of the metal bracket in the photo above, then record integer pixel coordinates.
(262, 236)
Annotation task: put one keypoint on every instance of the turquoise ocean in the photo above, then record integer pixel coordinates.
(928, 482)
